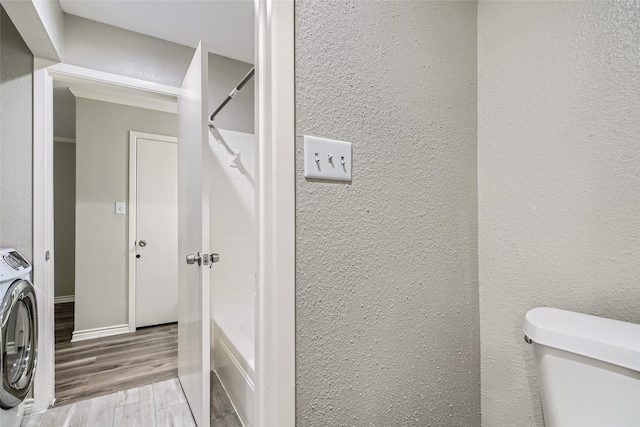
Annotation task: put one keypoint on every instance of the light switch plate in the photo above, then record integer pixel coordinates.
(327, 159)
(120, 208)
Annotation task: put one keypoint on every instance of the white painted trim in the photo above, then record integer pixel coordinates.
(126, 97)
(132, 205)
(133, 212)
(27, 407)
(74, 74)
(65, 140)
(43, 277)
(275, 126)
(44, 72)
(107, 331)
(64, 299)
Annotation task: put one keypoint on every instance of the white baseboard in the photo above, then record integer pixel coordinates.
(89, 334)
(65, 298)
(27, 407)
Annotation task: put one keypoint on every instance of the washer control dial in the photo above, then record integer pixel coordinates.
(13, 263)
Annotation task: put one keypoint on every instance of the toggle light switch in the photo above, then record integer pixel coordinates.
(120, 208)
(327, 159)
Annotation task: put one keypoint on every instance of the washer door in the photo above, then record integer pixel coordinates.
(19, 337)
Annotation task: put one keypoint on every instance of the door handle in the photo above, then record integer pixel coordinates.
(142, 243)
(192, 259)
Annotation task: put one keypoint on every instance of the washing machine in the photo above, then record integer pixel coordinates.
(18, 337)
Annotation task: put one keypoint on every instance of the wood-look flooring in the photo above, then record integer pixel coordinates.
(126, 380)
(160, 404)
(102, 366)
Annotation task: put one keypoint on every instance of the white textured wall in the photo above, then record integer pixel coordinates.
(103, 47)
(102, 169)
(386, 293)
(16, 134)
(559, 179)
(64, 217)
(233, 231)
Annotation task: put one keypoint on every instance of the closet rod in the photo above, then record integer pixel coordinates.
(233, 93)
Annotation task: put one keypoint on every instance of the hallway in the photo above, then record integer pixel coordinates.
(107, 365)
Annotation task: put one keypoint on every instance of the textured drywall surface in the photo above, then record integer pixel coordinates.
(40, 24)
(386, 281)
(64, 217)
(16, 130)
(559, 179)
(52, 18)
(102, 170)
(103, 47)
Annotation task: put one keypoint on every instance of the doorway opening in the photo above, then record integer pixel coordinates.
(99, 347)
(102, 211)
(275, 361)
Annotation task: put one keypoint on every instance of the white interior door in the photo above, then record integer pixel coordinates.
(156, 210)
(193, 238)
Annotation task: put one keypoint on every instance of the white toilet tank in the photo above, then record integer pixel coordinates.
(588, 368)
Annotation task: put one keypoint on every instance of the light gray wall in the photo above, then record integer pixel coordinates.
(559, 179)
(51, 16)
(103, 47)
(40, 24)
(64, 113)
(387, 297)
(16, 135)
(106, 48)
(64, 217)
(102, 168)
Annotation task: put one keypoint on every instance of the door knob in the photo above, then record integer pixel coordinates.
(142, 243)
(213, 258)
(192, 259)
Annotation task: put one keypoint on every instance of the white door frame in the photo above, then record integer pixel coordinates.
(275, 130)
(133, 212)
(43, 271)
(43, 274)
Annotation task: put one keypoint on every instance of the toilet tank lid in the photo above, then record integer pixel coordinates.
(609, 340)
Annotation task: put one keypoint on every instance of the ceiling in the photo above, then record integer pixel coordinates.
(228, 25)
